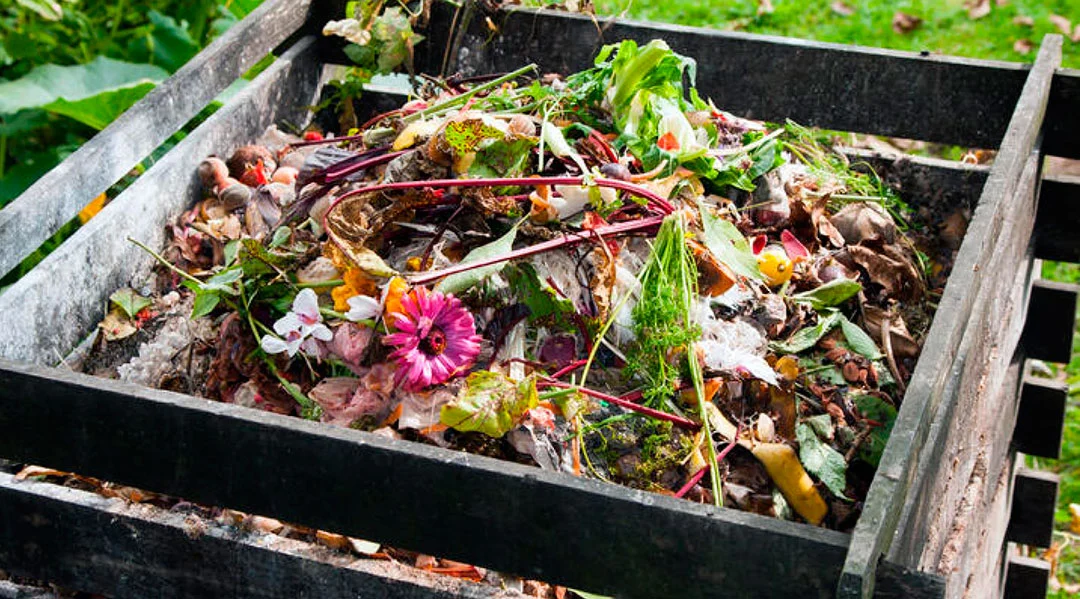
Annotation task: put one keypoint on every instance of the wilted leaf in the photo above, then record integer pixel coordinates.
(876, 409)
(130, 302)
(461, 281)
(807, 337)
(830, 294)
(842, 8)
(116, 326)
(728, 245)
(858, 340)
(1063, 25)
(822, 425)
(821, 460)
(1023, 46)
(978, 9)
(904, 23)
(1023, 21)
(490, 403)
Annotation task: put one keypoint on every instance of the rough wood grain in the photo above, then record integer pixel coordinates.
(1048, 331)
(1031, 521)
(1000, 204)
(45, 313)
(58, 196)
(1059, 219)
(492, 513)
(1040, 420)
(86, 542)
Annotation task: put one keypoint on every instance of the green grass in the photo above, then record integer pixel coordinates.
(946, 27)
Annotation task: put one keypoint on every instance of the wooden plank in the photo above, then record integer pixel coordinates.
(1051, 319)
(978, 255)
(1040, 420)
(945, 99)
(57, 197)
(1026, 578)
(86, 542)
(48, 311)
(1059, 219)
(496, 514)
(1033, 501)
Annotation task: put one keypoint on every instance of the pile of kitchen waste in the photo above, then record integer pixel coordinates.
(601, 274)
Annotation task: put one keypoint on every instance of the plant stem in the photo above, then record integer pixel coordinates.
(457, 100)
(629, 405)
(744, 149)
(165, 262)
(320, 285)
(565, 240)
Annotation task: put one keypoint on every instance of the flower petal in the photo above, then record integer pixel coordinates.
(306, 307)
(287, 324)
(362, 307)
(273, 345)
(321, 332)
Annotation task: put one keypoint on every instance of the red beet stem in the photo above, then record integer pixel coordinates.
(629, 405)
(337, 172)
(565, 370)
(696, 478)
(565, 240)
(630, 188)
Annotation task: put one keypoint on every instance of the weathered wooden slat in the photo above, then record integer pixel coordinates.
(59, 195)
(945, 99)
(1040, 420)
(1034, 497)
(495, 514)
(1051, 319)
(1026, 578)
(1059, 220)
(978, 254)
(45, 313)
(86, 542)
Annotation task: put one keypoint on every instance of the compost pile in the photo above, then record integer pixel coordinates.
(601, 274)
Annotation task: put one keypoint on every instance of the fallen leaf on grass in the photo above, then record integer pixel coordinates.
(1023, 21)
(1063, 24)
(904, 23)
(842, 8)
(765, 7)
(978, 9)
(1075, 34)
(1023, 46)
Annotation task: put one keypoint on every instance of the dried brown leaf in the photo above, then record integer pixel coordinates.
(903, 23)
(978, 9)
(116, 326)
(1023, 46)
(29, 471)
(765, 7)
(1063, 24)
(1023, 21)
(842, 8)
(1075, 34)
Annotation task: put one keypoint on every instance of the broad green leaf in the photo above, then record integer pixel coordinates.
(491, 403)
(728, 245)
(281, 235)
(166, 43)
(545, 305)
(100, 110)
(223, 281)
(464, 280)
(807, 337)
(232, 247)
(50, 10)
(502, 158)
(830, 294)
(858, 340)
(50, 83)
(822, 425)
(876, 409)
(205, 303)
(821, 460)
(130, 302)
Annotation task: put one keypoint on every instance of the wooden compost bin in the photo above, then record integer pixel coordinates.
(947, 499)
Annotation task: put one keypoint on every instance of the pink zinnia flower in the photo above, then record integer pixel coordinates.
(436, 339)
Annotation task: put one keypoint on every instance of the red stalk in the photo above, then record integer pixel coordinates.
(629, 405)
(333, 175)
(696, 478)
(565, 240)
(630, 188)
(565, 370)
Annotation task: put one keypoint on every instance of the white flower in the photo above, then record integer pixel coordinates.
(362, 307)
(295, 328)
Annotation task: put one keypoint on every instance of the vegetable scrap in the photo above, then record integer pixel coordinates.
(601, 274)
